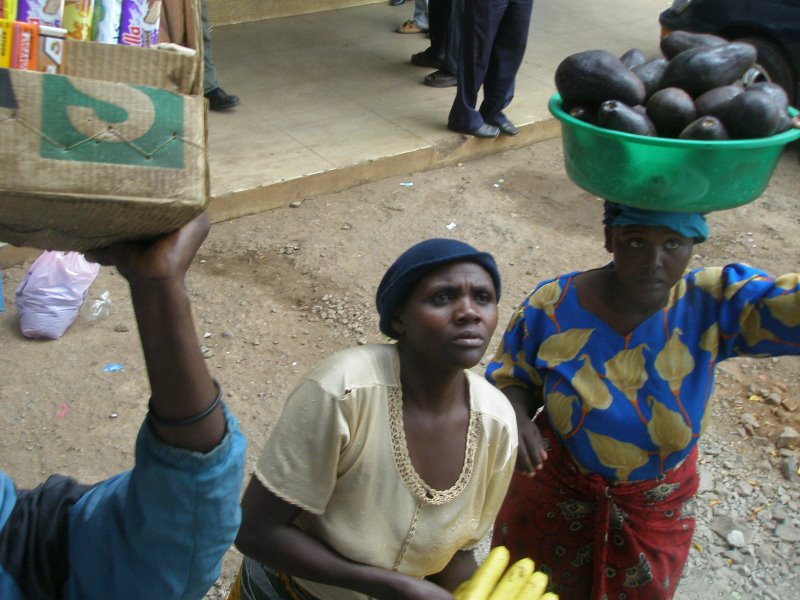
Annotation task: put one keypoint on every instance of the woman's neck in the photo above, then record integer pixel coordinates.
(600, 293)
(429, 387)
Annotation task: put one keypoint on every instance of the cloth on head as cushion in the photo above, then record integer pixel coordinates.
(691, 225)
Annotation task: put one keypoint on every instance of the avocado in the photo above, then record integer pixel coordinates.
(633, 58)
(698, 70)
(713, 101)
(753, 114)
(773, 89)
(705, 128)
(651, 74)
(584, 113)
(618, 116)
(785, 123)
(671, 110)
(593, 76)
(676, 42)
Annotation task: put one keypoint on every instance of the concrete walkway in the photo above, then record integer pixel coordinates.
(330, 99)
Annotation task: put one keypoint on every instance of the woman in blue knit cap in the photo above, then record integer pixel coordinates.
(621, 360)
(389, 461)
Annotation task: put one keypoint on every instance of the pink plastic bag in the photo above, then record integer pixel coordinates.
(52, 292)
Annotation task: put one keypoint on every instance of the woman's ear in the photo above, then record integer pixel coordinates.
(609, 234)
(397, 325)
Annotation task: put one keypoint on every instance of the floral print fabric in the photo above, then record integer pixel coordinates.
(630, 408)
(598, 540)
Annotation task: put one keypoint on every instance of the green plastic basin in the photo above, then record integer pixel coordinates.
(664, 173)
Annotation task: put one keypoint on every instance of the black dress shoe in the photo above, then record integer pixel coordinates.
(423, 59)
(219, 100)
(508, 128)
(484, 131)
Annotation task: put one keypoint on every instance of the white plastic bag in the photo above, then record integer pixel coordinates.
(52, 292)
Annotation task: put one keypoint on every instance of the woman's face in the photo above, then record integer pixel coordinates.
(648, 260)
(450, 316)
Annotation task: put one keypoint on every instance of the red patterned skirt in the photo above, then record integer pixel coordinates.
(625, 541)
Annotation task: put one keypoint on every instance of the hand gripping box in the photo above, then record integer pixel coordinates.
(112, 149)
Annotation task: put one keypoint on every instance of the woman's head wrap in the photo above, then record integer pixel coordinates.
(688, 224)
(416, 262)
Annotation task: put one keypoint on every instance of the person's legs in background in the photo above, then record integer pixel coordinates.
(438, 16)
(218, 99)
(480, 21)
(446, 76)
(419, 23)
(507, 53)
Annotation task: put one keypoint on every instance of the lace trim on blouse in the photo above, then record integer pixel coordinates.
(408, 474)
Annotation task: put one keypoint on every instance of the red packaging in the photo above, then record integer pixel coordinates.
(25, 46)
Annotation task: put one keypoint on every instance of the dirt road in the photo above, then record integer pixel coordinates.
(274, 293)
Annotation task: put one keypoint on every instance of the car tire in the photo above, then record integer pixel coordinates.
(773, 61)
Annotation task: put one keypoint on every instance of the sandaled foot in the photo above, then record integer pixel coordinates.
(410, 26)
(440, 79)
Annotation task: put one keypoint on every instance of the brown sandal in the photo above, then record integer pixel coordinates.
(410, 26)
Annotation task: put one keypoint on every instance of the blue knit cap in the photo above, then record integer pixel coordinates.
(416, 262)
(690, 225)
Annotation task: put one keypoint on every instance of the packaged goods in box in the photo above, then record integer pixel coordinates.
(24, 49)
(6, 42)
(50, 49)
(41, 12)
(8, 9)
(139, 23)
(114, 148)
(78, 18)
(106, 21)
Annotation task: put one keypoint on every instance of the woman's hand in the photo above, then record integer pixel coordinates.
(165, 257)
(531, 453)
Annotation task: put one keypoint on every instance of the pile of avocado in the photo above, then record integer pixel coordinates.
(695, 91)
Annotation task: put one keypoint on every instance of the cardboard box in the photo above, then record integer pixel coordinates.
(112, 149)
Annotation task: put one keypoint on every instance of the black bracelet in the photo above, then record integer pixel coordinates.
(189, 420)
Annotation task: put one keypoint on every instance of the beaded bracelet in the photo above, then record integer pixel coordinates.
(189, 420)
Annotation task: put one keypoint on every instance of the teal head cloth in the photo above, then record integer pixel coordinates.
(688, 224)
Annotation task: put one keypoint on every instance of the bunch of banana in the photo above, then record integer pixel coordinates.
(492, 581)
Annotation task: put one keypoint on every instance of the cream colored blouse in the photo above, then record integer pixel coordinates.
(339, 452)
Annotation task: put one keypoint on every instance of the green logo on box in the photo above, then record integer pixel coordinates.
(118, 124)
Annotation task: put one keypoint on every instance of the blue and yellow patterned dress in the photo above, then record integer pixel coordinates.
(611, 513)
(632, 407)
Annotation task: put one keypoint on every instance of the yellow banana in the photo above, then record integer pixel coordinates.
(550, 596)
(513, 580)
(534, 588)
(457, 593)
(486, 575)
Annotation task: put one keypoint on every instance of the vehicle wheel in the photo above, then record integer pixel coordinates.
(773, 65)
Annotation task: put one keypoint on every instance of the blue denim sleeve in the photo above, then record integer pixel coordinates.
(161, 529)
